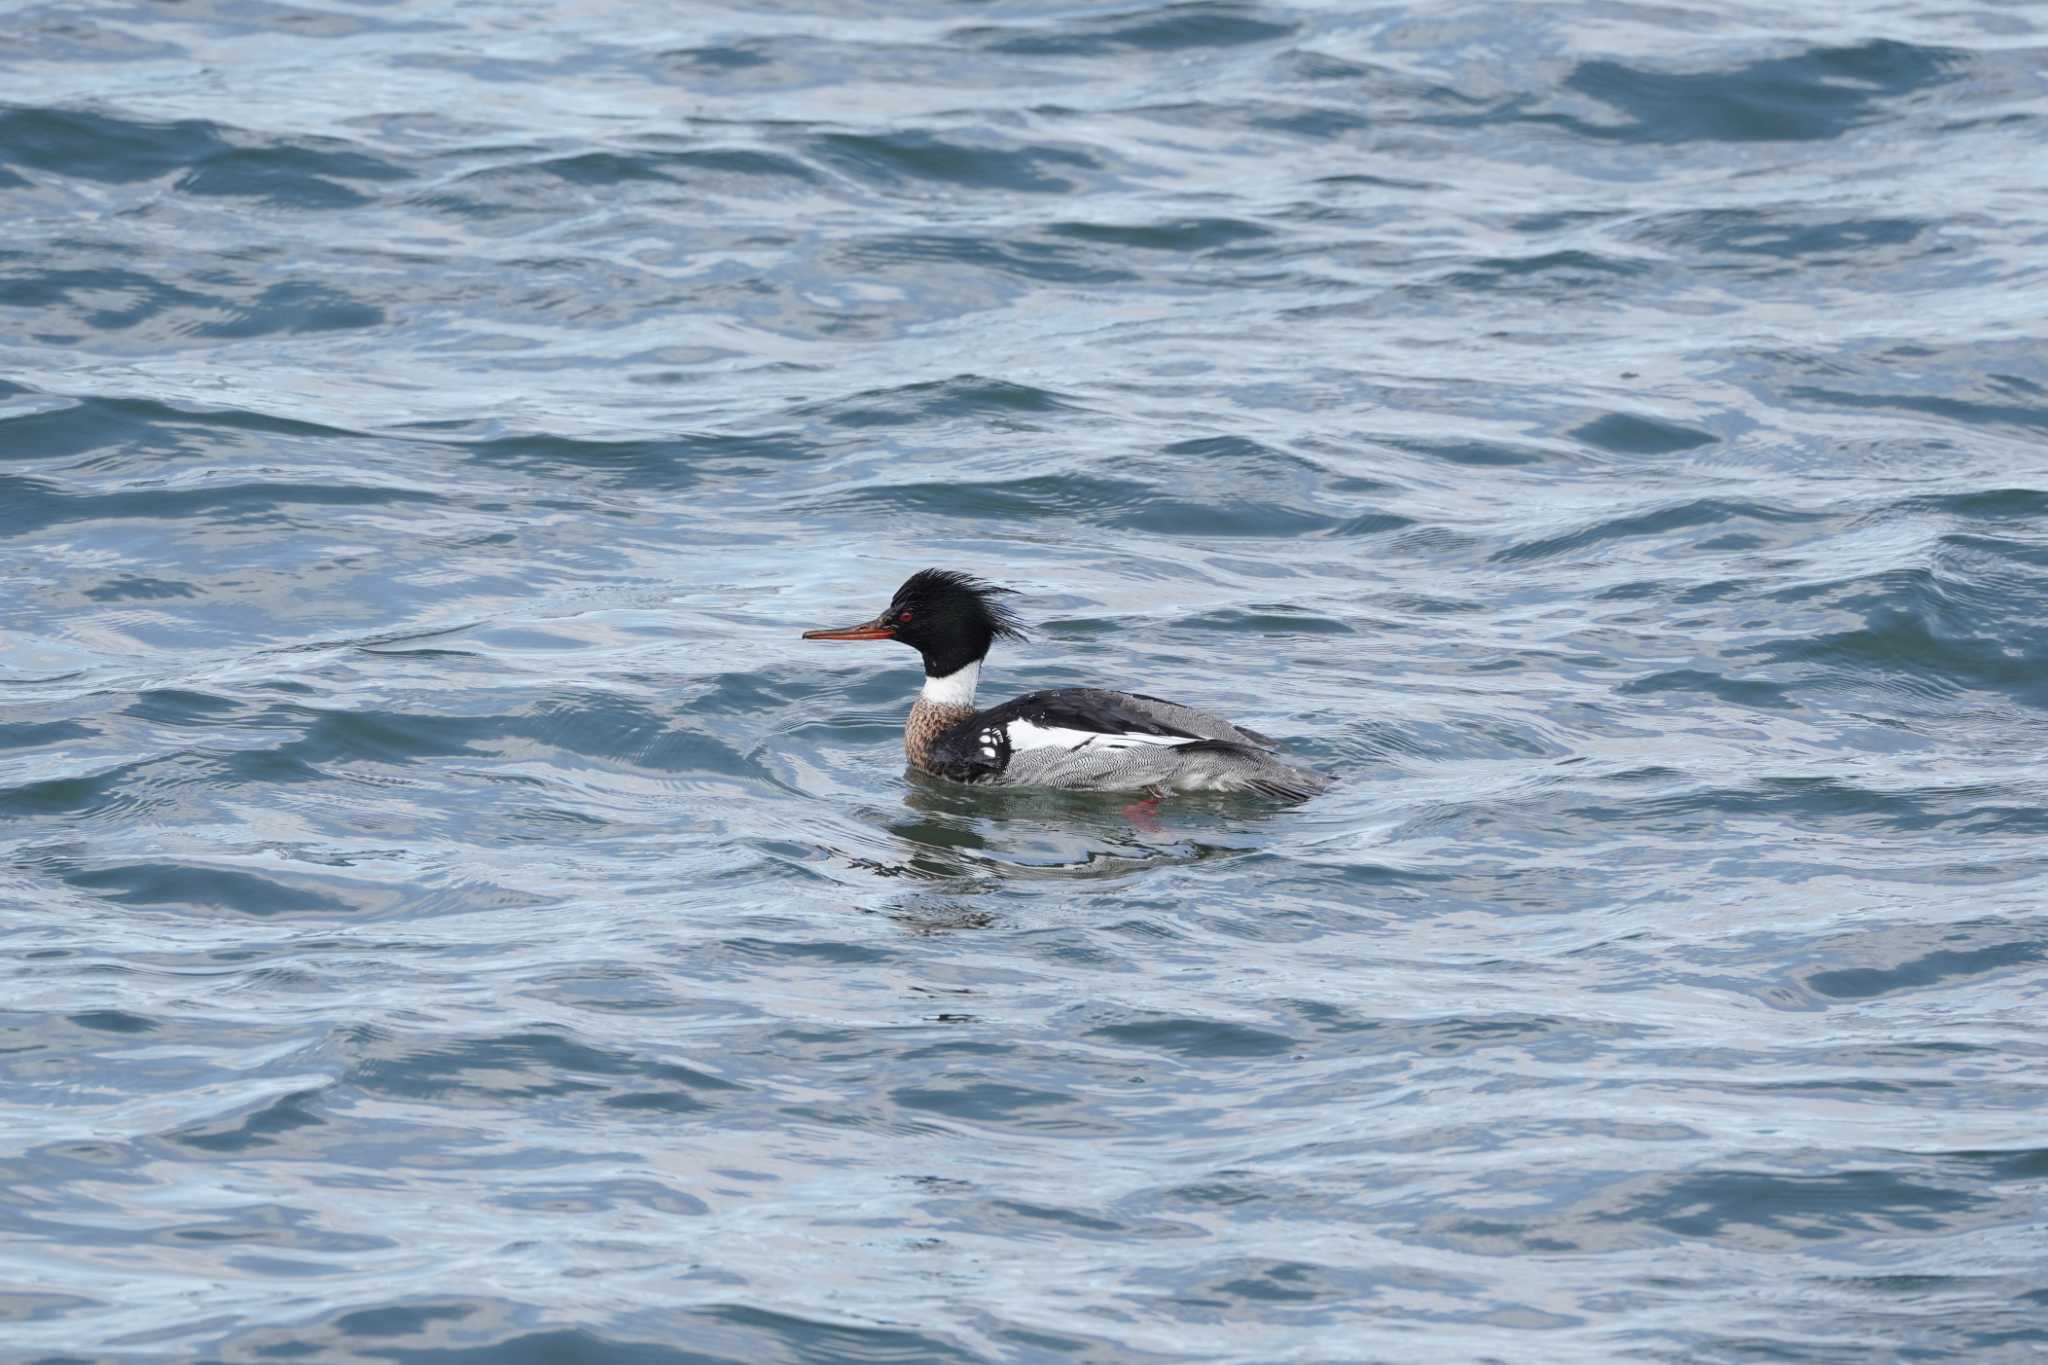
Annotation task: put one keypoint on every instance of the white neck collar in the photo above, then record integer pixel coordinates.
(955, 689)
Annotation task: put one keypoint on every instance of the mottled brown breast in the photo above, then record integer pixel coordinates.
(927, 722)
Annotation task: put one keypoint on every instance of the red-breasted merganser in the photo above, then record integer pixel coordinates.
(1081, 738)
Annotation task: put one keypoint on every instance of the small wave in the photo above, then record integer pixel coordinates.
(1785, 239)
(37, 504)
(892, 160)
(1656, 523)
(670, 462)
(1627, 433)
(905, 256)
(488, 1070)
(1750, 692)
(1166, 28)
(1184, 234)
(1820, 94)
(962, 396)
(1121, 503)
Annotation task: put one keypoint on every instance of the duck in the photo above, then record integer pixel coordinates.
(1073, 738)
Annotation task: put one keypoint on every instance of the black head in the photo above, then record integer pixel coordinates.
(949, 617)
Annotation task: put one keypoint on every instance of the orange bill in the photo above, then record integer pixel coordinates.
(878, 629)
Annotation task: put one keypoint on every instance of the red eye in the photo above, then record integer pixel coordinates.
(904, 617)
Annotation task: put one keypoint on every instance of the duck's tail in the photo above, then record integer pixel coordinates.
(1220, 765)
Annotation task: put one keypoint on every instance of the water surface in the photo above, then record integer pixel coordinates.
(451, 917)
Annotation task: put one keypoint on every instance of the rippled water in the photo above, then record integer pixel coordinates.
(451, 917)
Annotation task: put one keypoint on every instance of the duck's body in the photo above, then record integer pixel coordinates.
(1079, 738)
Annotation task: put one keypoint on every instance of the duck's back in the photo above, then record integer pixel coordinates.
(1091, 739)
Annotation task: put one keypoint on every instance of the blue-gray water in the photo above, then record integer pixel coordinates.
(450, 917)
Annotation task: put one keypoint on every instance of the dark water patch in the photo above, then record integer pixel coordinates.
(390, 738)
(1757, 1207)
(37, 504)
(778, 1335)
(1991, 562)
(964, 396)
(294, 308)
(1549, 222)
(657, 1102)
(92, 294)
(975, 1098)
(1823, 803)
(1968, 411)
(530, 185)
(732, 57)
(1548, 273)
(1483, 454)
(743, 162)
(670, 463)
(601, 168)
(1037, 1222)
(1231, 449)
(1738, 691)
(137, 588)
(30, 1306)
(1654, 525)
(1258, 1286)
(2016, 1164)
(1123, 504)
(514, 1066)
(1371, 524)
(103, 147)
(1044, 262)
(1325, 1024)
(398, 1320)
(1277, 619)
(190, 886)
(1318, 122)
(304, 176)
(602, 725)
(1990, 504)
(1782, 236)
(793, 950)
(1164, 29)
(1183, 234)
(39, 734)
(1008, 500)
(1629, 434)
(742, 693)
(176, 706)
(1913, 641)
(716, 1336)
(1196, 1038)
(1929, 969)
(601, 1196)
(1307, 64)
(159, 786)
(1185, 517)
(1820, 94)
(114, 1021)
(1756, 1210)
(138, 426)
(267, 1225)
(894, 160)
(265, 1127)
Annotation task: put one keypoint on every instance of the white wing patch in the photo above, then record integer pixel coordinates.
(1024, 737)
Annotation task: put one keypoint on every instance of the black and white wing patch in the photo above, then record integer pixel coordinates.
(1036, 732)
(972, 751)
(1090, 740)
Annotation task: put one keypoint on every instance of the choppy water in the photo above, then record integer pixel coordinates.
(450, 917)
